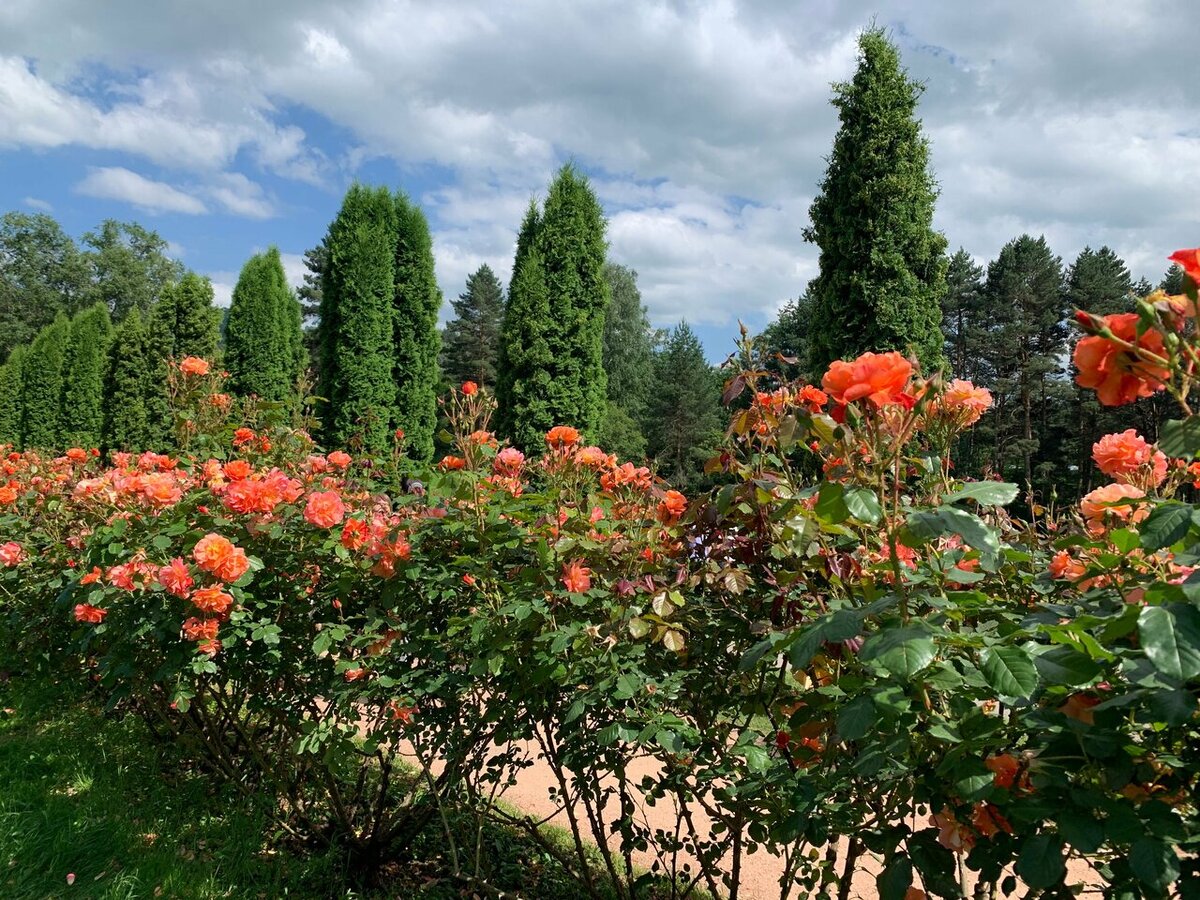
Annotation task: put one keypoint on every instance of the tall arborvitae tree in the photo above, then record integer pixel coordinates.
(84, 369)
(685, 416)
(129, 266)
(356, 332)
(786, 342)
(132, 371)
(42, 273)
(262, 333)
(568, 237)
(628, 348)
(471, 341)
(525, 413)
(183, 323)
(883, 267)
(963, 317)
(42, 385)
(1024, 354)
(10, 398)
(416, 341)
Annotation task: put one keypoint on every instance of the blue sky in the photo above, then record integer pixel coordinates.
(230, 126)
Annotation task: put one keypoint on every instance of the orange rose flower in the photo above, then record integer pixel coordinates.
(1189, 261)
(812, 398)
(452, 463)
(8, 494)
(1118, 375)
(561, 436)
(1105, 501)
(964, 402)
(1128, 458)
(324, 509)
(93, 615)
(176, 578)
(193, 365)
(671, 507)
(212, 600)
(77, 454)
(1004, 769)
(195, 629)
(989, 821)
(469, 388)
(354, 534)
(339, 458)
(237, 469)
(879, 378)
(1065, 567)
(218, 556)
(576, 577)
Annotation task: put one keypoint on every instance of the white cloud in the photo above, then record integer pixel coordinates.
(116, 183)
(38, 204)
(293, 268)
(241, 197)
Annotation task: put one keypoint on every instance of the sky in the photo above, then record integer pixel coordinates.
(704, 126)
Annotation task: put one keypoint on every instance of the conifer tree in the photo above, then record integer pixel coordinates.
(1172, 281)
(131, 373)
(568, 238)
(963, 315)
(262, 335)
(82, 411)
(628, 353)
(356, 333)
(684, 410)
(471, 341)
(416, 341)
(1025, 350)
(184, 322)
(42, 385)
(882, 266)
(789, 336)
(10, 397)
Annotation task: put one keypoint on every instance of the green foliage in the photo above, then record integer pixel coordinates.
(790, 336)
(963, 316)
(566, 329)
(262, 335)
(42, 385)
(1023, 354)
(10, 398)
(42, 273)
(684, 415)
(882, 266)
(628, 353)
(416, 341)
(471, 341)
(132, 378)
(358, 288)
(130, 267)
(84, 369)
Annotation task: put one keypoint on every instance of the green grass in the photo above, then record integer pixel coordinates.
(96, 796)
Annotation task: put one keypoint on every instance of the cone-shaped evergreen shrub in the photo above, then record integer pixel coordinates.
(416, 340)
(131, 372)
(263, 331)
(42, 385)
(10, 397)
(82, 411)
(356, 334)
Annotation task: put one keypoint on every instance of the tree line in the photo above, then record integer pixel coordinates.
(569, 341)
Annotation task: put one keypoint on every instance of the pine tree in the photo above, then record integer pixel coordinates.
(356, 332)
(963, 315)
(42, 385)
(471, 341)
(10, 397)
(131, 372)
(416, 341)
(882, 266)
(1099, 282)
(628, 353)
(1025, 349)
(568, 238)
(1172, 281)
(82, 411)
(262, 336)
(685, 410)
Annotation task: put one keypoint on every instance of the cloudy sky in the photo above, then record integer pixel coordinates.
(230, 126)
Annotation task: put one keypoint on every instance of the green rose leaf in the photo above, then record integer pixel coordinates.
(1009, 671)
(1180, 439)
(1166, 524)
(1041, 861)
(985, 493)
(863, 504)
(1170, 635)
(1154, 863)
(901, 651)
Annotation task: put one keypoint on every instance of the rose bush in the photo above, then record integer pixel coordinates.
(844, 650)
